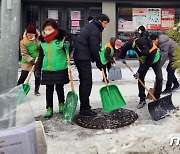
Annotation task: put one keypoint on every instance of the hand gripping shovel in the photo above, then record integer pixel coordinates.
(159, 108)
(71, 98)
(114, 73)
(26, 85)
(111, 97)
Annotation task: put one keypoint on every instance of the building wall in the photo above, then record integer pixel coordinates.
(110, 30)
(9, 43)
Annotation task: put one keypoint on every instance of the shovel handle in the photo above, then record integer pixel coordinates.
(142, 83)
(31, 71)
(104, 77)
(70, 73)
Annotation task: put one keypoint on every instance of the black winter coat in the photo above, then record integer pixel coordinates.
(52, 77)
(87, 45)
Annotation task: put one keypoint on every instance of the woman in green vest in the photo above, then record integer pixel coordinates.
(53, 63)
(107, 53)
(29, 51)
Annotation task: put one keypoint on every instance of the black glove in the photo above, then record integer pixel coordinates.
(99, 65)
(136, 75)
(37, 74)
(123, 61)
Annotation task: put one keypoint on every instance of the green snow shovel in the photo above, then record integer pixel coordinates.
(111, 97)
(158, 108)
(26, 85)
(71, 98)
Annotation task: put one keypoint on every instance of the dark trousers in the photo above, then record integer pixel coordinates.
(85, 75)
(23, 77)
(49, 94)
(171, 78)
(159, 79)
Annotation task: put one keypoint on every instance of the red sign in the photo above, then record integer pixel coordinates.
(167, 18)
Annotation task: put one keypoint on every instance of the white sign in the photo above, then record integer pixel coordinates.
(18, 141)
(75, 15)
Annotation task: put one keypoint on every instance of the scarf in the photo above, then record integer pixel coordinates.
(50, 37)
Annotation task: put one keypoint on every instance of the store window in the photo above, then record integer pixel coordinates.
(155, 20)
(32, 15)
(53, 13)
(75, 19)
(94, 11)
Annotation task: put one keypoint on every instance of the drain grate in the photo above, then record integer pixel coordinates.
(115, 119)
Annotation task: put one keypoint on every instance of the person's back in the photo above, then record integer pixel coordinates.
(167, 47)
(88, 42)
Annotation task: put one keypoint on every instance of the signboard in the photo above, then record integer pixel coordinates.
(53, 14)
(75, 15)
(139, 17)
(75, 23)
(167, 18)
(125, 25)
(153, 18)
(150, 18)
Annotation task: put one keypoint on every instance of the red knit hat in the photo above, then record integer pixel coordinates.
(31, 28)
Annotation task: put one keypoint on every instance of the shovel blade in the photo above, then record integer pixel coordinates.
(26, 87)
(70, 106)
(159, 109)
(114, 73)
(111, 98)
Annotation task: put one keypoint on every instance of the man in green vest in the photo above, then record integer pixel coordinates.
(149, 56)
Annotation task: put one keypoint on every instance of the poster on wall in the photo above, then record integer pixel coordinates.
(53, 14)
(125, 26)
(75, 15)
(153, 18)
(139, 17)
(167, 18)
(75, 23)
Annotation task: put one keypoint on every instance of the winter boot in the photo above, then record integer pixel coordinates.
(61, 107)
(175, 87)
(36, 91)
(48, 113)
(141, 104)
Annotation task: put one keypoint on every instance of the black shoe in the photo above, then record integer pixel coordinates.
(37, 93)
(175, 87)
(106, 80)
(87, 113)
(166, 91)
(141, 104)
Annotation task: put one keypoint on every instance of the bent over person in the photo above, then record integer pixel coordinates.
(149, 56)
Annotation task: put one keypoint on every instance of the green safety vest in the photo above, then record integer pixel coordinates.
(104, 61)
(54, 56)
(143, 58)
(32, 51)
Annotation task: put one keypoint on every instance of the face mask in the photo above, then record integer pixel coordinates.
(47, 32)
(33, 38)
(116, 48)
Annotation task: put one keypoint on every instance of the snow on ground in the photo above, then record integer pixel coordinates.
(144, 136)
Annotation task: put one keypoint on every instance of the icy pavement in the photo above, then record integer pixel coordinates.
(143, 136)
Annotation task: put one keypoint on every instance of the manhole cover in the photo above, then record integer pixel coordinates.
(115, 119)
